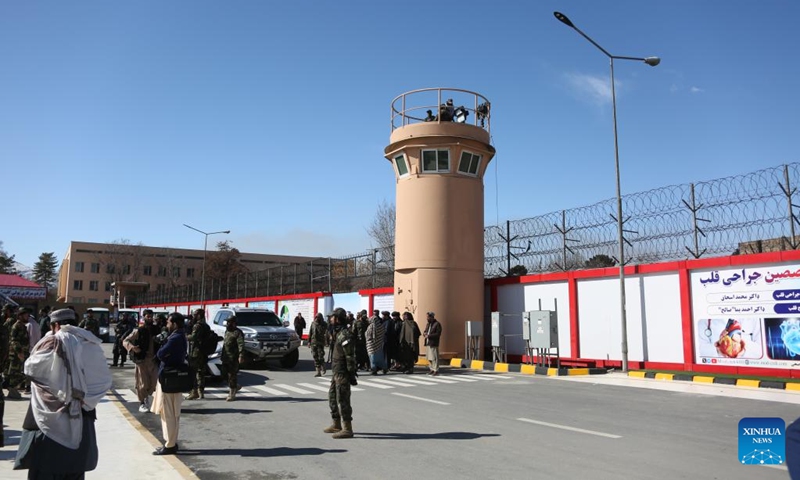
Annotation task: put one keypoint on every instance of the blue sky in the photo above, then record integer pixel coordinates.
(128, 119)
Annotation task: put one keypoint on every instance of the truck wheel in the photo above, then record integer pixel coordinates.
(290, 359)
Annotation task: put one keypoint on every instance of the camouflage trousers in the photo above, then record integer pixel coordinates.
(318, 351)
(198, 366)
(231, 370)
(339, 398)
(15, 374)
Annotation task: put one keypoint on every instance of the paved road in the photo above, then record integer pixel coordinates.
(467, 424)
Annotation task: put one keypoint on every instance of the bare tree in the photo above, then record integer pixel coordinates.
(382, 230)
(121, 261)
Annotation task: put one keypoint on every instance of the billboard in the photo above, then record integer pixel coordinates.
(288, 309)
(747, 316)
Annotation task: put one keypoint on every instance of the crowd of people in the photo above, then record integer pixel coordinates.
(383, 342)
(33, 360)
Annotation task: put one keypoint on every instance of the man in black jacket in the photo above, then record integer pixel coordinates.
(432, 333)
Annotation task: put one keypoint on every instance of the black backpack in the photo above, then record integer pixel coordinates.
(210, 340)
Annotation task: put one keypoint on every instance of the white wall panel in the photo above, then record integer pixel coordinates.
(662, 314)
(553, 296)
(599, 319)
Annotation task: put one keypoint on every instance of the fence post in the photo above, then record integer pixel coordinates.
(789, 191)
(696, 253)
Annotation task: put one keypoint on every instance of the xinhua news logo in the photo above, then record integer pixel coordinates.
(762, 441)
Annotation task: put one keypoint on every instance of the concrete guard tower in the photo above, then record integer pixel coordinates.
(439, 149)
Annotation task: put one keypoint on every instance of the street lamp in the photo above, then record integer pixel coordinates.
(205, 248)
(652, 61)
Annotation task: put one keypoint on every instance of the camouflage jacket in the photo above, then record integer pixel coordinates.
(199, 332)
(92, 325)
(344, 353)
(360, 329)
(318, 333)
(4, 346)
(233, 345)
(19, 341)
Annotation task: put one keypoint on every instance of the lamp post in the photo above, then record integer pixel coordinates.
(652, 61)
(205, 248)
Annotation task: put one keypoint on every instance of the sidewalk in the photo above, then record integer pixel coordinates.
(125, 447)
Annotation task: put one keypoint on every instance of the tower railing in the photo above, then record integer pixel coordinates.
(417, 106)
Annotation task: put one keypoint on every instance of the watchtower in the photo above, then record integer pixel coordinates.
(440, 146)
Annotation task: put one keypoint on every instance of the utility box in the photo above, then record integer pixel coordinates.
(474, 329)
(497, 330)
(526, 325)
(543, 325)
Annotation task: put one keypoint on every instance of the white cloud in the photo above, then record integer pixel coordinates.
(696, 90)
(596, 89)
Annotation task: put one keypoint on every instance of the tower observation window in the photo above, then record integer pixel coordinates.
(469, 164)
(402, 167)
(436, 161)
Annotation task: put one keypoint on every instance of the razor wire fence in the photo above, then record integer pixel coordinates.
(747, 213)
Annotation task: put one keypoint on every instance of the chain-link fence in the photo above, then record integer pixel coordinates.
(741, 214)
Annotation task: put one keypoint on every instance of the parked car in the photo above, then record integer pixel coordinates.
(265, 337)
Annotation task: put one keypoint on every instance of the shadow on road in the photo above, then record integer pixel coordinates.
(213, 411)
(426, 436)
(261, 452)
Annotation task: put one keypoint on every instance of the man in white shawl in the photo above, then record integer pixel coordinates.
(69, 376)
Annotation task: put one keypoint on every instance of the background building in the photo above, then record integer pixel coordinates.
(89, 271)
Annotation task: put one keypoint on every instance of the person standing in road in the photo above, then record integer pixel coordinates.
(3, 360)
(344, 375)
(433, 331)
(232, 351)
(376, 336)
(18, 350)
(141, 346)
(121, 330)
(198, 359)
(90, 323)
(44, 321)
(317, 340)
(299, 325)
(393, 340)
(69, 376)
(409, 342)
(168, 405)
(360, 331)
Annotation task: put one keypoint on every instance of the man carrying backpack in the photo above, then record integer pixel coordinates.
(198, 359)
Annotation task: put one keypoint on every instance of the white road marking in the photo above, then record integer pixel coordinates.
(438, 380)
(571, 429)
(417, 381)
(779, 467)
(392, 382)
(375, 385)
(293, 389)
(420, 398)
(479, 376)
(215, 395)
(460, 378)
(504, 377)
(271, 391)
(314, 387)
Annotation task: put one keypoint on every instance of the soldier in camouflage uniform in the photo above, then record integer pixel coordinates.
(90, 323)
(232, 351)
(197, 359)
(317, 340)
(8, 317)
(344, 375)
(18, 351)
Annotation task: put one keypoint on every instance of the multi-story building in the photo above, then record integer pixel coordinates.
(90, 272)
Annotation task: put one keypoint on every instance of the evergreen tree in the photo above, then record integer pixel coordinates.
(44, 271)
(6, 262)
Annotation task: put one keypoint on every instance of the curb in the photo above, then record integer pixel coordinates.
(698, 378)
(179, 466)
(524, 369)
